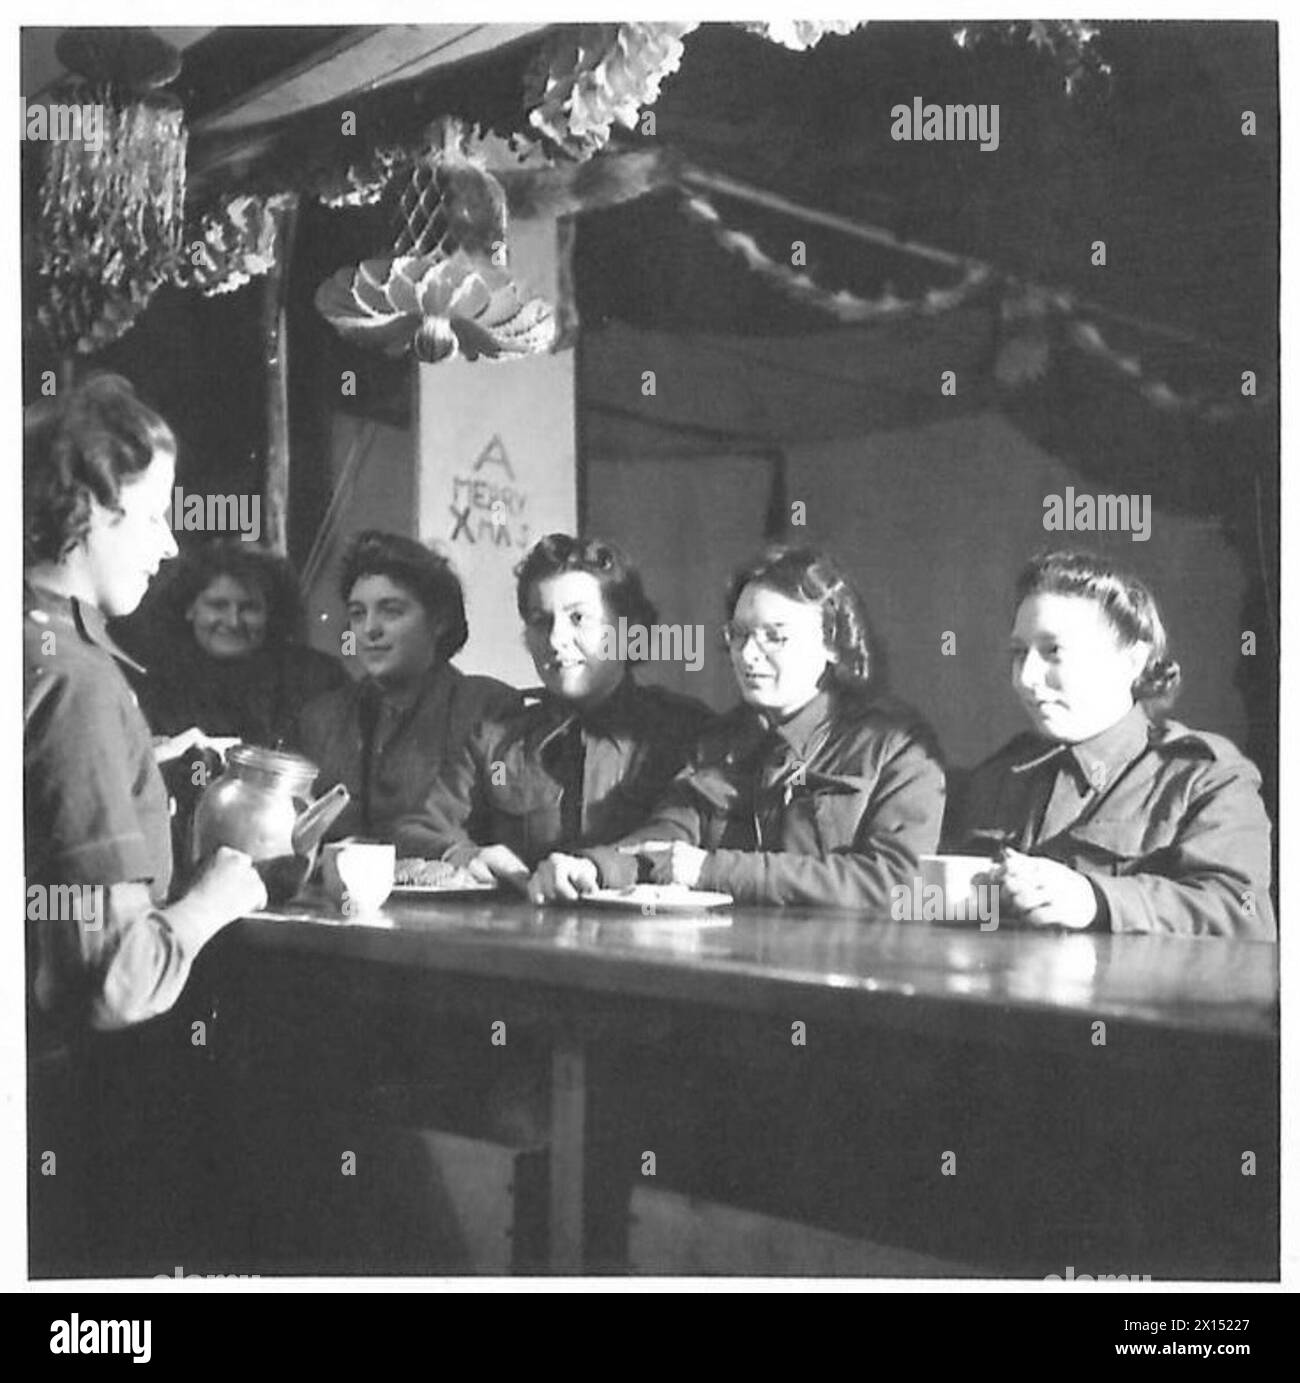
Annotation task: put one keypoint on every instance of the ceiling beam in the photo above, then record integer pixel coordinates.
(364, 62)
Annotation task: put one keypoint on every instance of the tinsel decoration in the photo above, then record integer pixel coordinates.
(110, 216)
(231, 246)
(800, 34)
(438, 308)
(840, 304)
(587, 78)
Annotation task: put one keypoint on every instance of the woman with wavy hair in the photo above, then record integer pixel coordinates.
(814, 791)
(386, 734)
(1108, 815)
(111, 944)
(587, 759)
(228, 653)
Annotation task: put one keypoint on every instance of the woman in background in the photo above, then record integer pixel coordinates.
(813, 791)
(1117, 818)
(386, 734)
(227, 652)
(586, 760)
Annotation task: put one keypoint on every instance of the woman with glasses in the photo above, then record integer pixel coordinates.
(813, 791)
(1110, 816)
(585, 761)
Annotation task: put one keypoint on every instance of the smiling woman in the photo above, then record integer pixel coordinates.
(1113, 817)
(585, 761)
(812, 791)
(223, 645)
(385, 735)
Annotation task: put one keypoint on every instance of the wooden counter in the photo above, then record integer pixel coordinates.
(1093, 1089)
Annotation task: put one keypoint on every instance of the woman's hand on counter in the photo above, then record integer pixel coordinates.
(499, 863)
(677, 863)
(565, 877)
(1043, 892)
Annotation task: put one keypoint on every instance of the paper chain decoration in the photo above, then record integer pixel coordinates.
(802, 287)
(849, 308)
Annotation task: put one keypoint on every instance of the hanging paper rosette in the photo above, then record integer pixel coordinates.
(800, 34)
(439, 308)
(232, 246)
(590, 77)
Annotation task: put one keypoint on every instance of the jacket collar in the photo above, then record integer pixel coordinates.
(611, 720)
(1101, 758)
(436, 682)
(805, 727)
(42, 605)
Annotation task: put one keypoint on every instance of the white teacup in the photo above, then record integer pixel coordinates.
(357, 874)
(960, 898)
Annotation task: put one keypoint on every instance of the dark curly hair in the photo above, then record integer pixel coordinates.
(620, 582)
(81, 446)
(426, 574)
(253, 567)
(1128, 605)
(815, 578)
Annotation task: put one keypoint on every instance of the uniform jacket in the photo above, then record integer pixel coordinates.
(96, 814)
(1166, 822)
(507, 785)
(388, 756)
(831, 808)
(257, 699)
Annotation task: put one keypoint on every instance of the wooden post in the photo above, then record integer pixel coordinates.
(275, 343)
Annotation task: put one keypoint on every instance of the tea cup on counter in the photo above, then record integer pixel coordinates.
(956, 887)
(358, 874)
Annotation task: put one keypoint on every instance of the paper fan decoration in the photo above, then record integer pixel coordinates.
(439, 308)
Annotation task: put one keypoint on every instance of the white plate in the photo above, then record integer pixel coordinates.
(652, 899)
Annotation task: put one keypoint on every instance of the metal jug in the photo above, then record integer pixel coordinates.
(262, 805)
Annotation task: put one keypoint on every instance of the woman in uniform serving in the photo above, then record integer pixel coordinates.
(98, 472)
(814, 791)
(1116, 818)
